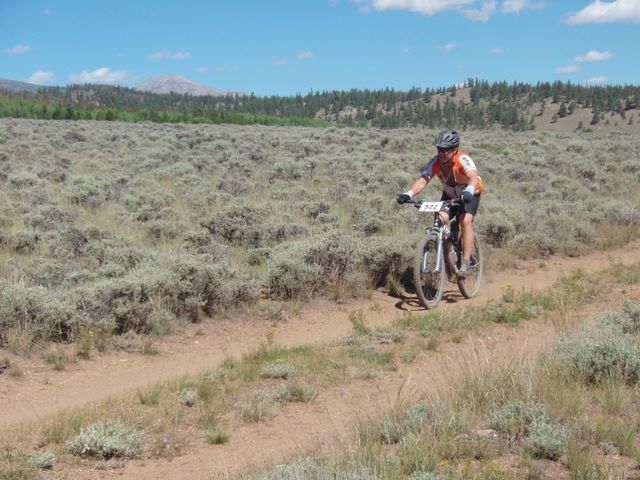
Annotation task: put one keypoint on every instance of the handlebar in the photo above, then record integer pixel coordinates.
(418, 203)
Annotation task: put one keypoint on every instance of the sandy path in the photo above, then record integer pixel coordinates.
(42, 391)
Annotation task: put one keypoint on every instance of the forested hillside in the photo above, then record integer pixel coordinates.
(476, 104)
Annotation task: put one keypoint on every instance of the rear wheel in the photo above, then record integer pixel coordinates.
(429, 284)
(470, 285)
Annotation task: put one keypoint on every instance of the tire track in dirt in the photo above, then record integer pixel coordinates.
(297, 428)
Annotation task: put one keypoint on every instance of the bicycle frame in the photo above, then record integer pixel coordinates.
(444, 232)
(440, 240)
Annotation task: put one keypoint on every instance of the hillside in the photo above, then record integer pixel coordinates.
(13, 86)
(477, 104)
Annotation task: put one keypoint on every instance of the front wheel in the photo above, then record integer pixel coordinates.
(470, 285)
(429, 283)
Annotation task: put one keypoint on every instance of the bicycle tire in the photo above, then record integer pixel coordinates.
(470, 286)
(429, 285)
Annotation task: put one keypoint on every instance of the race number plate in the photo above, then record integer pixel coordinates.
(430, 207)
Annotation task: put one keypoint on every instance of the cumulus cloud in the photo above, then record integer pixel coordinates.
(169, 55)
(601, 80)
(472, 9)
(481, 14)
(100, 75)
(594, 56)
(449, 47)
(517, 6)
(568, 69)
(304, 55)
(40, 77)
(19, 49)
(423, 7)
(606, 12)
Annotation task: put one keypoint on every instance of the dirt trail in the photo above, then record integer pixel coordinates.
(298, 428)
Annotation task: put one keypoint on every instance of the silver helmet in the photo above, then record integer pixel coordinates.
(447, 139)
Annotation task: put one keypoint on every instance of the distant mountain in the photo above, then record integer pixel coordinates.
(178, 84)
(15, 87)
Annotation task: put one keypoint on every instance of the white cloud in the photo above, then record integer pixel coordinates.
(202, 69)
(47, 12)
(19, 49)
(449, 47)
(606, 12)
(568, 69)
(594, 56)
(601, 80)
(168, 55)
(498, 50)
(100, 75)
(40, 77)
(424, 7)
(304, 55)
(517, 6)
(481, 14)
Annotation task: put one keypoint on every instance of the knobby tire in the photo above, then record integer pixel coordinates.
(470, 286)
(429, 284)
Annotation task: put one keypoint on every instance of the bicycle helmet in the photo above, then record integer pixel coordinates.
(447, 139)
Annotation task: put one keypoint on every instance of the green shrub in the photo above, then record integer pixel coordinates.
(596, 354)
(243, 225)
(42, 460)
(610, 349)
(216, 436)
(514, 418)
(188, 397)
(314, 209)
(497, 229)
(277, 369)
(25, 241)
(50, 217)
(289, 276)
(108, 439)
(35, 308)
(626, 319)
(533, 245)
(419, 475)
(545, 440)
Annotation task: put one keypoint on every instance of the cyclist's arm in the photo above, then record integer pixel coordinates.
(473, 177)
(425, 178)
(419, 184)
(470, 170)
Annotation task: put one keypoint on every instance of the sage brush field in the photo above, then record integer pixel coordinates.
(110, 227)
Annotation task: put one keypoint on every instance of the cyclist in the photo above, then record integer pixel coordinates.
(459, 176)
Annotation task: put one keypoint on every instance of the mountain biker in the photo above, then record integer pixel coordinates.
(459, 176)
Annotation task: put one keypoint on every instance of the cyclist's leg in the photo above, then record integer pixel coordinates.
(466, 226)
(445, 213)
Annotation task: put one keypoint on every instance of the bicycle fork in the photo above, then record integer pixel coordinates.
(438, 265)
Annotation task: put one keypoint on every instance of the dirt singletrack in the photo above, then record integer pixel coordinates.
(41, 391)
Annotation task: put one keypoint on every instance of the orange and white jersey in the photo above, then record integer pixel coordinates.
(455, 180)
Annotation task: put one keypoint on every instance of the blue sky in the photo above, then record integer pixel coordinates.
(284, 47)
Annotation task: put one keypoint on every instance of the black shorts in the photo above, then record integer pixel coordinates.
(454, 210)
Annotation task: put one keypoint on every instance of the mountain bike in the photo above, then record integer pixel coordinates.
(438, 257)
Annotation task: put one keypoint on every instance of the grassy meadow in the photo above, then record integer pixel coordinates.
(109, 228)
(569, 413)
